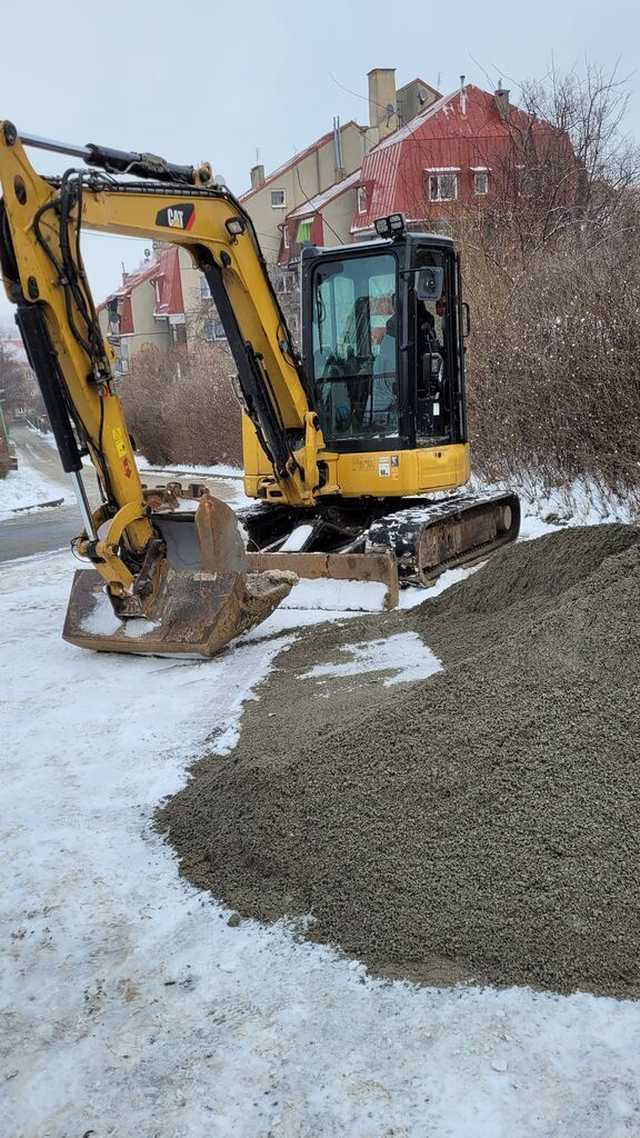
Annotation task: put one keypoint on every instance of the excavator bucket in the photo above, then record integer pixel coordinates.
(206, 594)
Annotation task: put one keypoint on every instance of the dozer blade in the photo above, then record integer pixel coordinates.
(378, 567)
(206, 594)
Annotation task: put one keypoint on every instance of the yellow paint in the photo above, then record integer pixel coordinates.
(359, 475)
(118, 442)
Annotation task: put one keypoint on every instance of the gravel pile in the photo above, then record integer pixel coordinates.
(479, 825)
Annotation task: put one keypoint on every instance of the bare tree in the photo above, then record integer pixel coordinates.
(590, 105)
(565, 173)
(19, 391)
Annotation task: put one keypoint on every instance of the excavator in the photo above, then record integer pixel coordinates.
(356, 452)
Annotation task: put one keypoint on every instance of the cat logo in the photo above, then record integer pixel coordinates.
(177, 216)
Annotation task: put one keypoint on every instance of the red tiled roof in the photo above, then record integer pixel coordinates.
(441, 137)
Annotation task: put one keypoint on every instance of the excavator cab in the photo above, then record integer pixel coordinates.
(382, 342)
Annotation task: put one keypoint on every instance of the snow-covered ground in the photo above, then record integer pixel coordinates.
(581, 503)
(130, 1006)
(218, 470)
(40, 478)
(26, 487)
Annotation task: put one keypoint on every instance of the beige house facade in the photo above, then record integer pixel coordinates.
(324, 164)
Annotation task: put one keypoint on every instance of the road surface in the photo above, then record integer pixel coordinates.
(49, 529)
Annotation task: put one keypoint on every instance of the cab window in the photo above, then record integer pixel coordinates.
(355, 368)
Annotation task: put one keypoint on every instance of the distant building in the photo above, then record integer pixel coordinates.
(162, 305)
(469, 148)
(15, 347)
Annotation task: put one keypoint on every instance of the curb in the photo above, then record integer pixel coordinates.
(38, 506)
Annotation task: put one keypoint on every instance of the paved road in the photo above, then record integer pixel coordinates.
(38, 532)
(50, 529)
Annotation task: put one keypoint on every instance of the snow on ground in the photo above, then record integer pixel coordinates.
(27, 487)
(582, 503)
(131, 1007)
(404, 653)
(218, 470)
(336, 596)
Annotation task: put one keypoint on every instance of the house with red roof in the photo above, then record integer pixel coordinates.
(470, 149)
(155, 305)
(326, 163)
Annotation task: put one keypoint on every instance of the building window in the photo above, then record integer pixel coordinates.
(205, 291)
(278, 199)
(214, 330)
(285, 236)
(362, 199)
(443, 187)
(480, 182)
(303, 233)
(113, 317)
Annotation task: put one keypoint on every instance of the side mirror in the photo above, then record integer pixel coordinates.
(429, 283)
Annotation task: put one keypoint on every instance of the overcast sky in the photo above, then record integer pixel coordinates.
(203, 80)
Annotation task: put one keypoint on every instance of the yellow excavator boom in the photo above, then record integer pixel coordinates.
(41, 220)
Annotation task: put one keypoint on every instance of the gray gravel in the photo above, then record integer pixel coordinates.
(479, 825)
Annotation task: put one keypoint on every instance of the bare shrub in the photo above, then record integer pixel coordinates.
(181, 405)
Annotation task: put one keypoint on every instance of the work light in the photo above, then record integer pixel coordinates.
(382, 227)
(235, 226)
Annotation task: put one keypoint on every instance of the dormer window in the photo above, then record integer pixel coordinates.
(361, 195)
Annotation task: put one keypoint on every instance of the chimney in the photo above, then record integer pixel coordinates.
(501, 98)
(383, 115)
(463, 97)
(337, 150)
(257, 176)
